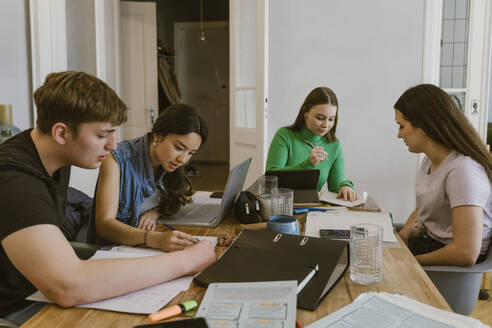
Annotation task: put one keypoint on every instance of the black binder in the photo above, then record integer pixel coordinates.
(258, 255)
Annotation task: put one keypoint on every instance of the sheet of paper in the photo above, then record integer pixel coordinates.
(331, 197)
(143, 301)
(344, 219)
(374, 310)
(250, 304)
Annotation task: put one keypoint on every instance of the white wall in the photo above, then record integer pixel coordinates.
(15, 62)
(368, 52)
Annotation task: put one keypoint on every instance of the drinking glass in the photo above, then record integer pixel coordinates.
(366, 253)
(267, 184)
(282, 201)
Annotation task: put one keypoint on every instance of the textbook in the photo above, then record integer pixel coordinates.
(393, 310)
(258, 255)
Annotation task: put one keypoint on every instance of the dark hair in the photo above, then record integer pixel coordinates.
(74, 98)
(318, 96)
(178, 119)
(431, 109)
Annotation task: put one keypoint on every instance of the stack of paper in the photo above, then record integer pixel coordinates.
(374, 310)
(143, 301)
(344, 219)
(250, 304)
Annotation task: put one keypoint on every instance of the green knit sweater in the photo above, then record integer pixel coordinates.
(289, 151)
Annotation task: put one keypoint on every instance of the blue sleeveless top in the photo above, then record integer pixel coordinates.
(137, 181)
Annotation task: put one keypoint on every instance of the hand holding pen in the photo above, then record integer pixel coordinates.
(170, 241)
(317, 155)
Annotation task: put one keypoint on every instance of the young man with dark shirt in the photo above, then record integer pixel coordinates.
(77, 118)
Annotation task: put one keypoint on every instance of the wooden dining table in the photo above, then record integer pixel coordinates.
(402, 274)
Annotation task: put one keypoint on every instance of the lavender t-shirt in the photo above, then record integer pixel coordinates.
(458, 181)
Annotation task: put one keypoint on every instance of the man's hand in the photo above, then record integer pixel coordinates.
(202, 255)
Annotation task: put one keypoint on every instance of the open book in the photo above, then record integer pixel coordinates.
(373, 310)
(331, 197)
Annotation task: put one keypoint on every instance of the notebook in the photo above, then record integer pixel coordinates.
(303, 182)
(210, 214)
(260, 255)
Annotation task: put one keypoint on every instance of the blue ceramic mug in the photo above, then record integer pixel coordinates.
(283, 224)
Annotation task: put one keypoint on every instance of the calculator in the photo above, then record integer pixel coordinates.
(334, 233)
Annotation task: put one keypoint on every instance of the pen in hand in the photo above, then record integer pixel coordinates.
(309, 143)
(174, 229)
(168, 225)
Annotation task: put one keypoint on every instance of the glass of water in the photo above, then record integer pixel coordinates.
(267, 184)
(282, 201)
(366, 253)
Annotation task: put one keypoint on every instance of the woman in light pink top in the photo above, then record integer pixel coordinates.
(452, 223)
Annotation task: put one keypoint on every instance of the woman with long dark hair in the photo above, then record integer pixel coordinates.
(452, 224)
(311, 143)
(144, 179)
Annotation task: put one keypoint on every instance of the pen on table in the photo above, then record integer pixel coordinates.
(171, 311)
(319, 209)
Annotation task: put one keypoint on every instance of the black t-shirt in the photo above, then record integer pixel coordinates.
(28, 197)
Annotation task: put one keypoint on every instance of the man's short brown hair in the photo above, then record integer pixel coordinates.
(74, 98)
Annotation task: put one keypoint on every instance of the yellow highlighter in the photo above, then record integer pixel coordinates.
(171, 311)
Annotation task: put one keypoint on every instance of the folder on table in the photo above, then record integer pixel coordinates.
(258, 255)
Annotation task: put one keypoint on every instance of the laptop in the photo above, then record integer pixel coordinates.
(303, 182)
(209, 212)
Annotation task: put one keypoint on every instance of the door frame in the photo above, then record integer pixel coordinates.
(48, 40)
(249, 142)
(478, 76)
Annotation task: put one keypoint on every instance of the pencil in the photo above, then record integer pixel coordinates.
(168, 225)
(298, 324)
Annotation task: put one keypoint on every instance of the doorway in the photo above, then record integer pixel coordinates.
(202, 70)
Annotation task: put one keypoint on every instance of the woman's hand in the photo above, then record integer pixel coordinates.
(347, 193)
(317, 155)
(171, 241)
(407, 232)
(148, 220)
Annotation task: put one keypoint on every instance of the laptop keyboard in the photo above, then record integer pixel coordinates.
(200, 213)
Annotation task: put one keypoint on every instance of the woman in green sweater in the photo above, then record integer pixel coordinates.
(310, 143)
